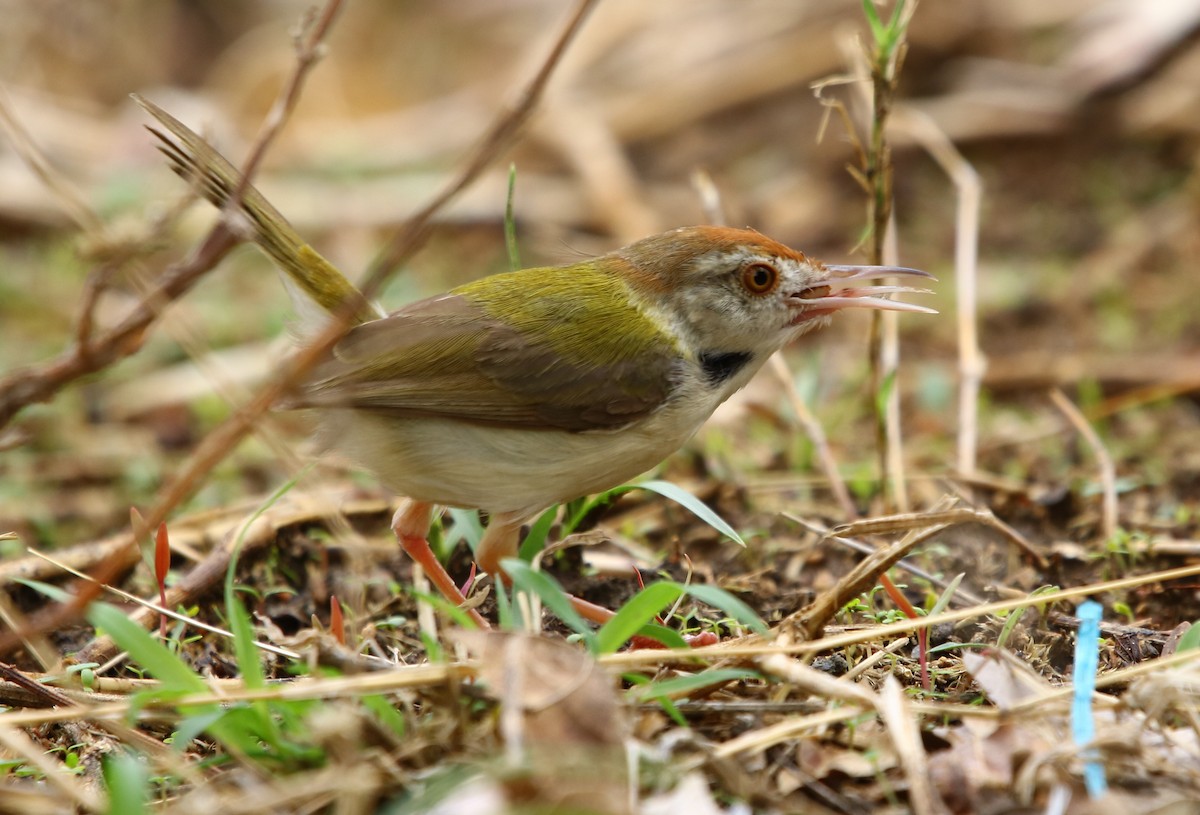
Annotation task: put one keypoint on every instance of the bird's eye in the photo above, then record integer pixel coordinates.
(760, 278)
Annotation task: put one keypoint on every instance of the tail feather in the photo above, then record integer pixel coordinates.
(308, 276)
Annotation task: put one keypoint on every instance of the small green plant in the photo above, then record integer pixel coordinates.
(637, 617)
(1122, 608)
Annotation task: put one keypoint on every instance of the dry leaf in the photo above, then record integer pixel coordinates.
(562, 725)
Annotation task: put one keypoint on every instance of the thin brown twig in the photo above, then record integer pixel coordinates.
(74, 204)
(40, 383)
(89, 355)
(69, 199)
(116, 256)
(309, 39)
(1108, 472)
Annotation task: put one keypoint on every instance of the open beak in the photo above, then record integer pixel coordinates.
(825, 299)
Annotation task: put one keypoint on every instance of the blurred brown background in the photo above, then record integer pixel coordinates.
(1080, 118)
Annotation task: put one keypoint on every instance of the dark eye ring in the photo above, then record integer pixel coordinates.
(760, 278)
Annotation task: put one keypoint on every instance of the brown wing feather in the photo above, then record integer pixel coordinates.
(443, 357)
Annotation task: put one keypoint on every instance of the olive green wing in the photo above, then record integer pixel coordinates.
(445, 357)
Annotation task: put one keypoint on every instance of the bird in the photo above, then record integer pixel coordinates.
(526, 389)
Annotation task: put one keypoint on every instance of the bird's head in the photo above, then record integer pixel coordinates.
(738, 290)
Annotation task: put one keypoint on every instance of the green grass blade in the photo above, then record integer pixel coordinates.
(243, 644)
(547, 589)
(667, 705)
(946, 596)
(239, 620)
(694, 505)
(510, 221)
(669, 637)
(467, 527)
(683, 685)
(127, 782)
(385, 713)
(535, 541)
(174, 674)
(667, 490)
(53, 592)
(1190, 638)
(632, 617)
(458, 615)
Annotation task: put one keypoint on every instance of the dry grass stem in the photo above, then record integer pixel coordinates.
(37, 645)
(969, 191)
(710, 197)
(812, 618)
(874, 659)
(862, 547)
(889, 356)
(609, 179)
(906, 736)
(791, 728)
(816, 435)
(1108, 471)
(753, 646)
(810, 680)
(958, 515)
(69, 198)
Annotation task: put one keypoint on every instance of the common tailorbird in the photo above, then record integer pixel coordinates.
(522, 390)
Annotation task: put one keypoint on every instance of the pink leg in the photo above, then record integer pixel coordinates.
(411, 525)
(499, 542)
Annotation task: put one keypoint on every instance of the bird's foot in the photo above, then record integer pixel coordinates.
(411, 525)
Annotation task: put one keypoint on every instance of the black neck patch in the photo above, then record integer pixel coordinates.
(721, 367)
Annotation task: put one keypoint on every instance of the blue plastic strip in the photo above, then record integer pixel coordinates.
(1083, 724)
